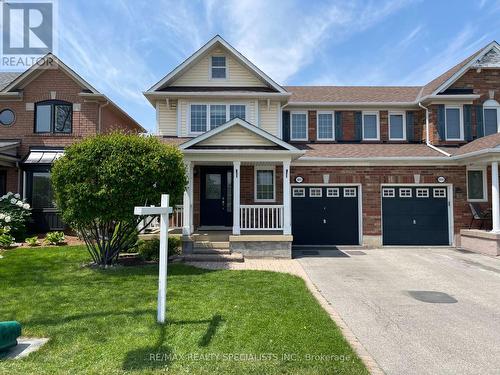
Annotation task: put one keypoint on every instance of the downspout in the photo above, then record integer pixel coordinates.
(101, 106)
(427, 139)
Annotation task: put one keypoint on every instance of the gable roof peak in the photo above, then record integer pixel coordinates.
(201, 51)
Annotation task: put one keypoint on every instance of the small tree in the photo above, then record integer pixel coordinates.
(99, 181)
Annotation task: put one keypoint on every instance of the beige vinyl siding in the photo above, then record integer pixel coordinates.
(236, 136)
(185, 106)
(269, 118)
(167, 118)
(237, 74)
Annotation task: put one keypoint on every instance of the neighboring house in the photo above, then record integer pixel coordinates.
(331, 165)
(43, 110)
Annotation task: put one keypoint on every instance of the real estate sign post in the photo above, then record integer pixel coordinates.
(164, 210)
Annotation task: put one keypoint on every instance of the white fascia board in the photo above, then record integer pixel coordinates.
(465, 68)
(353, 104)
(255, 156)
(164, 94)
(464, 97)
(193, 58)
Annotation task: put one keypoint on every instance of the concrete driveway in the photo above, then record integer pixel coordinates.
(416, 311)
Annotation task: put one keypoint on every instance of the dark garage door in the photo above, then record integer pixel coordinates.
(325, 215)
(415, 215)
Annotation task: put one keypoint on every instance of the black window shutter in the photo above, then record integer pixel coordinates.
(479, 121)
(338, 126)
(358, 133)
(468, 122)
(441, 122)
(409, 126)
(286, 126)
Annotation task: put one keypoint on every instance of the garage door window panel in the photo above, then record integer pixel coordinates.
(332, 192)
(315, 192)
(388, 193)
(439, 193)
(405, 193)
(299, 192)
(422, 193)
(349, 192)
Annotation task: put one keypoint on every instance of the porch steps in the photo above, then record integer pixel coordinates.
(210, 251)
(211, 245)
(233, 257)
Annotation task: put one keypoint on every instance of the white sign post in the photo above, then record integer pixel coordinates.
(163, 211)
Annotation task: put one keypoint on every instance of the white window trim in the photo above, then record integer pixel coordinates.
(422, 190)
(461, 118)
(388, 193)
(485, 182)
(439, 191)
(491, 104)
(332, 192)
(377, 114)
(210, 68)
(397, 113)
(298, 192)
(307, 125)
(405, 196)
(316, 189)
(208, 128)
(264, 168)
(332, 113)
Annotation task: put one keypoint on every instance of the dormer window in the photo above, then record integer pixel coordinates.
(53, 116)
(218, 67)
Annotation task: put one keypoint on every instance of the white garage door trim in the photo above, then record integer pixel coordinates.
(449, 193)
(360, 201)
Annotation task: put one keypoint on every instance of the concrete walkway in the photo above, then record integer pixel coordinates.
(416, 311)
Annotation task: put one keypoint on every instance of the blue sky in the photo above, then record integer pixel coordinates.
(122, 47)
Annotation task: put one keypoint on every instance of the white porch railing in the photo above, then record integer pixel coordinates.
(175, 219)
(261, 217)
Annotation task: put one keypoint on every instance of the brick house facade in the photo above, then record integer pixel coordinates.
(91, 113)
(406, 165)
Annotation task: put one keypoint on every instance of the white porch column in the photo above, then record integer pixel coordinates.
(187, 209)
(236, 197)
(287, 207)
(495, 198)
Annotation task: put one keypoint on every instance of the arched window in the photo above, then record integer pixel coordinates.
(53, 116)
(491, 117)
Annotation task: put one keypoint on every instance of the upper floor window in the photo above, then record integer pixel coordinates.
(397, 128)
(454, 123)
(53, 116)
(205, 117)
(298, 126)
(370, 126)
(325, 125)
(218, 67)
(491, 117)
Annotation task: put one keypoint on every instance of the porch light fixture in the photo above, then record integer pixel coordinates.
(299, 179)
(441, 179)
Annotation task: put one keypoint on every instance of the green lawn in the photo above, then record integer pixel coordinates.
(219, 322)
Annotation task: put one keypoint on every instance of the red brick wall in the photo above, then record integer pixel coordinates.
(384, 126)
(12, 179)
(348, 131)
(372, 177)
(311, 116)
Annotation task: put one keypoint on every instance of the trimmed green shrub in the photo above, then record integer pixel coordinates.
(150, 249)
(32, 241)
(99, 181)
(54, 238)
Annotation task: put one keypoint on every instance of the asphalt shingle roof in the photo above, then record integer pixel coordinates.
(7, 77)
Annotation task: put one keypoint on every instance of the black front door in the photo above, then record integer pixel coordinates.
(216, 203)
